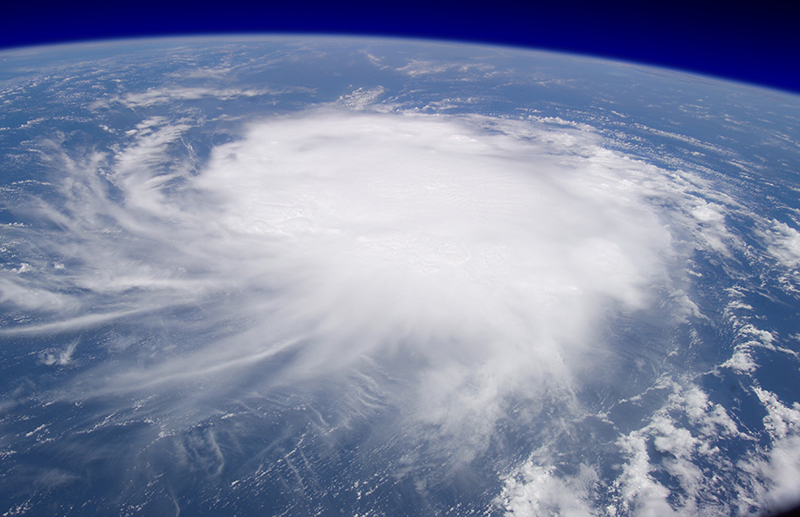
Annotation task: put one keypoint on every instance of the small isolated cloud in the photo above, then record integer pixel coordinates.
(156, 96)
(362, 98)
(536, 491)
(59, 357)
(418, 67)
(741, 361)
(783, 243)
(776, 470)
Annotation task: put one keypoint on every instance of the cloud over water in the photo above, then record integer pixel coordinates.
(455, 266)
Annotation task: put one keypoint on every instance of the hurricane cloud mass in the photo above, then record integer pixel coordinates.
(452, 264)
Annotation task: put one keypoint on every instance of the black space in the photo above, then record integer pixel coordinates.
(755, 43)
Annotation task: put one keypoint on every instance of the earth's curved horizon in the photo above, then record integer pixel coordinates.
(318, 275)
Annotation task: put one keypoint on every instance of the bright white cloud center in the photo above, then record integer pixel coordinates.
(486, 249)
(473, 258)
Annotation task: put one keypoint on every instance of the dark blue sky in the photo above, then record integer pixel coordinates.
(758, 43)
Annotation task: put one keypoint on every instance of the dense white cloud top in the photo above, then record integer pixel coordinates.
(453, 264)
(487, 250)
